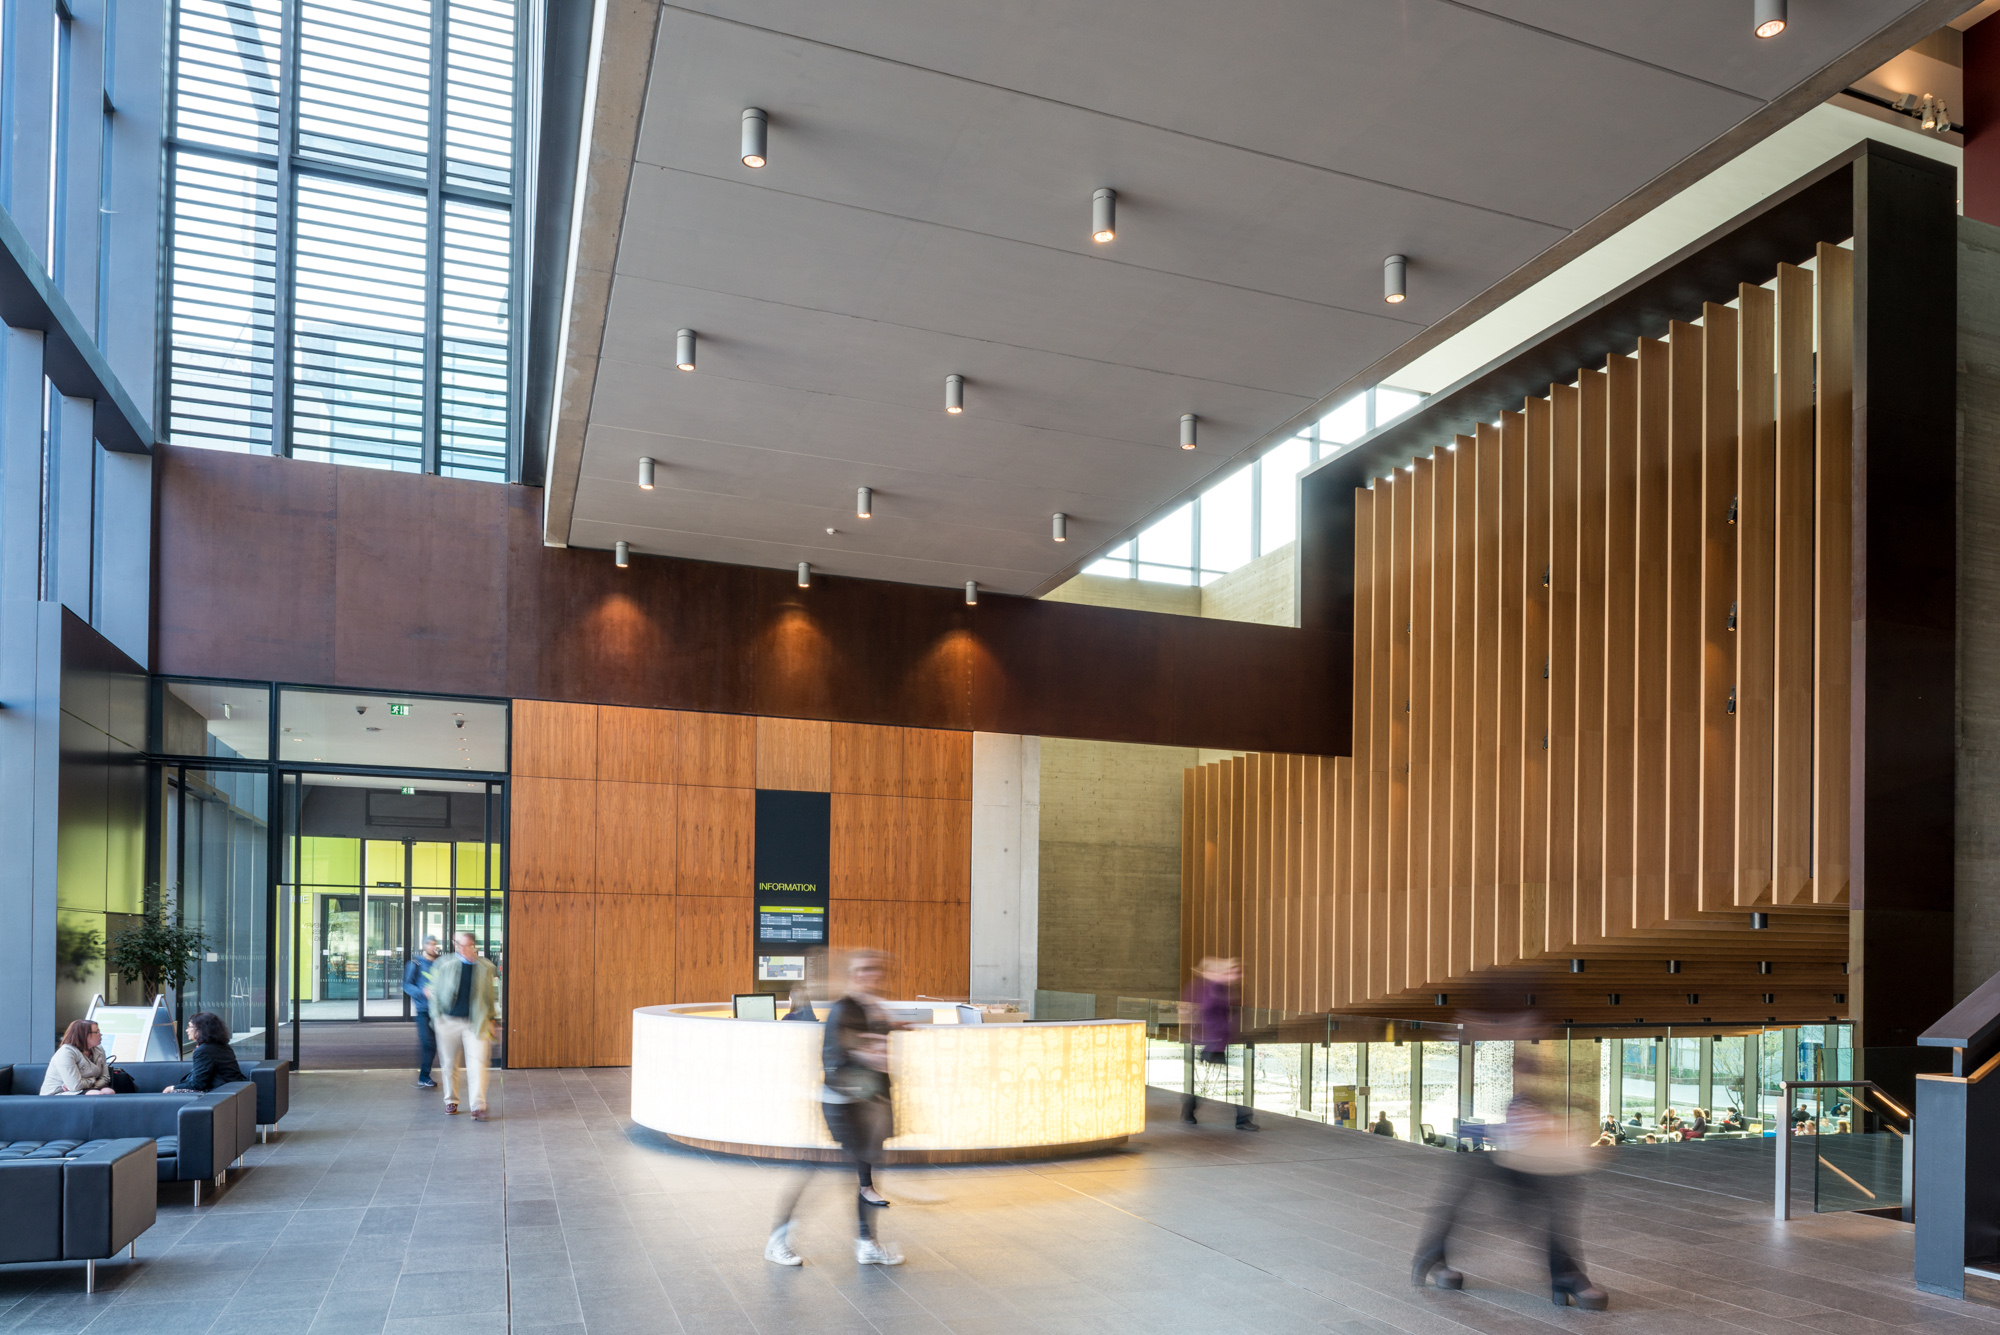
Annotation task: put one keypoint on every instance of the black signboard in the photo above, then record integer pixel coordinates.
(794, 842)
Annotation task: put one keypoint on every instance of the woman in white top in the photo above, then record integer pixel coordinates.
(79, 1066)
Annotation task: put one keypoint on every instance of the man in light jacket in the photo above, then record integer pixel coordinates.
(464, 1011)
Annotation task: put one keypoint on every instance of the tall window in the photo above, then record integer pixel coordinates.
(345, 231)
(1252, 511)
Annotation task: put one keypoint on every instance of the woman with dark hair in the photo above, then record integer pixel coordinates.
(214, 1060)
(79, 1066)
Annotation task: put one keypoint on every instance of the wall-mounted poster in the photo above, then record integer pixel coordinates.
(791, 867)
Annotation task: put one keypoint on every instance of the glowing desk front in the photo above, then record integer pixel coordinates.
(962, 1092)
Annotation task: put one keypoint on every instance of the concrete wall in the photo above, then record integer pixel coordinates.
(1006, 832)
(1141, 595)
(1978, 836)
(1261, 591)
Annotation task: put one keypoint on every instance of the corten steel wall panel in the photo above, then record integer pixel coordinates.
(1718, 593)
(1833, 677)
(1684, 613)
(1792, 612)
(1536, 557)
(633, 966)
(1756, 553)
(638, 745)
(637, 825)
(1423, 576)
(245, 558)
(1621, 588)
(716, 841)
(554, 741)
(1591, 630)
(1654, 511)
(1565, 443)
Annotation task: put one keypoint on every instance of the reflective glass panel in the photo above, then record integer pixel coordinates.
(1169, 542)
(224, 721)
(1280, 503)
(1393, 403)
(1347, 423)
(1225, 523)
(218, 826)
(400, 732)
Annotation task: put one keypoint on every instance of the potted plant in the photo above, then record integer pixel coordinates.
(159, 951)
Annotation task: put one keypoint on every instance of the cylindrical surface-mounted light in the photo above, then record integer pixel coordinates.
(864, 503)
(1062, 527)
(684, 349)
(954, 393)
(1187, 431)
(1395, 279)
(1770, 17)
(756, 126)
(621, 554)
(1104, 215)
(1576, 966)
(972, 593)
(645, 475)
(805, 574)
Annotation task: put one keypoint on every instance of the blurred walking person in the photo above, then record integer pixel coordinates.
(464, 1006)
(856, 1103)
(1211, 998)
(1539, 1173)
(416, 981)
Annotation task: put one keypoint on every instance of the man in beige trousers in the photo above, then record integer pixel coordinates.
(464, 1010)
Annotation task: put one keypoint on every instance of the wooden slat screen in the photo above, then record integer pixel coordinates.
(1600, 701)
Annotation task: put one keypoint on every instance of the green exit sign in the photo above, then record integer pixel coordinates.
(409, 792)
(398, 711)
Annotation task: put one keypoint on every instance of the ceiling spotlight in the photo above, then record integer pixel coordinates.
(954, 393)
(805, 574)
(864, 505)
(1104, 215)
(645, 475)
(621, 554)
(1062, 528)
(972, 593)
(1187, 431)
(684, 349)
(1395, 279)
(755, 122)
(1770, 17)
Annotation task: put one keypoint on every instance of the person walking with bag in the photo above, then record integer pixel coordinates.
(464, 999)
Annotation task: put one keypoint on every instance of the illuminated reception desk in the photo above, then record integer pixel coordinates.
(963, 1092)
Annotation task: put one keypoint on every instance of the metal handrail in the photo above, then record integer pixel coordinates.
(1784, 1134)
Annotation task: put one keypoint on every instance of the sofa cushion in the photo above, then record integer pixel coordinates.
(169, 1162)
(49, 1149)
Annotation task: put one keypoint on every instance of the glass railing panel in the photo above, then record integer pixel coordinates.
(1853, 1142)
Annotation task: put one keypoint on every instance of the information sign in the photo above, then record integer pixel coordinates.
(793, 855)
(137, 1033)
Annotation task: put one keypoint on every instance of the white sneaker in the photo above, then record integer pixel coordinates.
(867, 1251)
(778, 1251)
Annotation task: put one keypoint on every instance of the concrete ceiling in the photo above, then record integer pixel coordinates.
(926, 211)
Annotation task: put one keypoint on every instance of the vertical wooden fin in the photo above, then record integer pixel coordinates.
(1794, 593)
(1718, 600)
(1756, 535)
(1423, 576)
(1833, 596)
(1621, 587)
(1508, 680)
(1684, 619)
(1653, 504)
(1592, 628)
(1565, 438)
(1536, 577)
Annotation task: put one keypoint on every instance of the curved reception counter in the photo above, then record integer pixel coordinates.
(963, 1093)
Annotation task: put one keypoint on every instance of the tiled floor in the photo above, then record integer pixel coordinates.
(372, 1212)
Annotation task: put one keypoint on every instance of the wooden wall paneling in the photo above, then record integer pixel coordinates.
(1257, 832)
(632, 966)
(1355, 911)
(638, 745)
(1793, 592)
(716, 750)
(1718, 597)
(1509, 679)
(927, 943)
(1336, 987)
(1683, 619)
(937, 763)
(553, 840)
(1486, 692)
(1756, 558)
(1423, 576)
(1832, 681)
(1194, 832)
(713, 944)
(553, 740)
(1536, 575)
(1437, 879)
(1621, 588)
(913, 849)
(864, 758)
(1231, 882)
(1284, 922)
(1653, 508)
(1402, 498)
(638, 827)
(1592, 628)
(795, 754)
(1305, 917)
(547, 934)
(716, 841)
(1464, 697)
(1565, 516)
(1381, 646)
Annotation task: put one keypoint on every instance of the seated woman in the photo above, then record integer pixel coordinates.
(1696, 1127)
(214, 1060)
(79, 1066)
(1608, 1136)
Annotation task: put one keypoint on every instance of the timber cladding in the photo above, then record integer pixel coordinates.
(1600, 705)
(631, 846)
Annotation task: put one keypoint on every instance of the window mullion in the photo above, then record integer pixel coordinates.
(434, 238)
(283, 281)
(527, 111)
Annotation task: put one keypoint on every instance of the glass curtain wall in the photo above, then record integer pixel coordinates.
(216, 832)
(344, 255)
(1254, 510)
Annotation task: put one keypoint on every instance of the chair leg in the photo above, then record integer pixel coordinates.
(197, 1193)
(90, 1277)
(132, 1250)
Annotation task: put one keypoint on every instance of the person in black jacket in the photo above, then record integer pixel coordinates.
(214, 1060)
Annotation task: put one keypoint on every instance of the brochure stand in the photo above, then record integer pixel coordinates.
(137, 1033)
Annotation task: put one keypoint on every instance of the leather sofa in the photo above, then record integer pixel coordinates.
(273, 1080)
(68, 1200)
(199, 1135)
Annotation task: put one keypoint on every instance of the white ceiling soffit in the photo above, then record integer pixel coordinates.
(926, 212)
